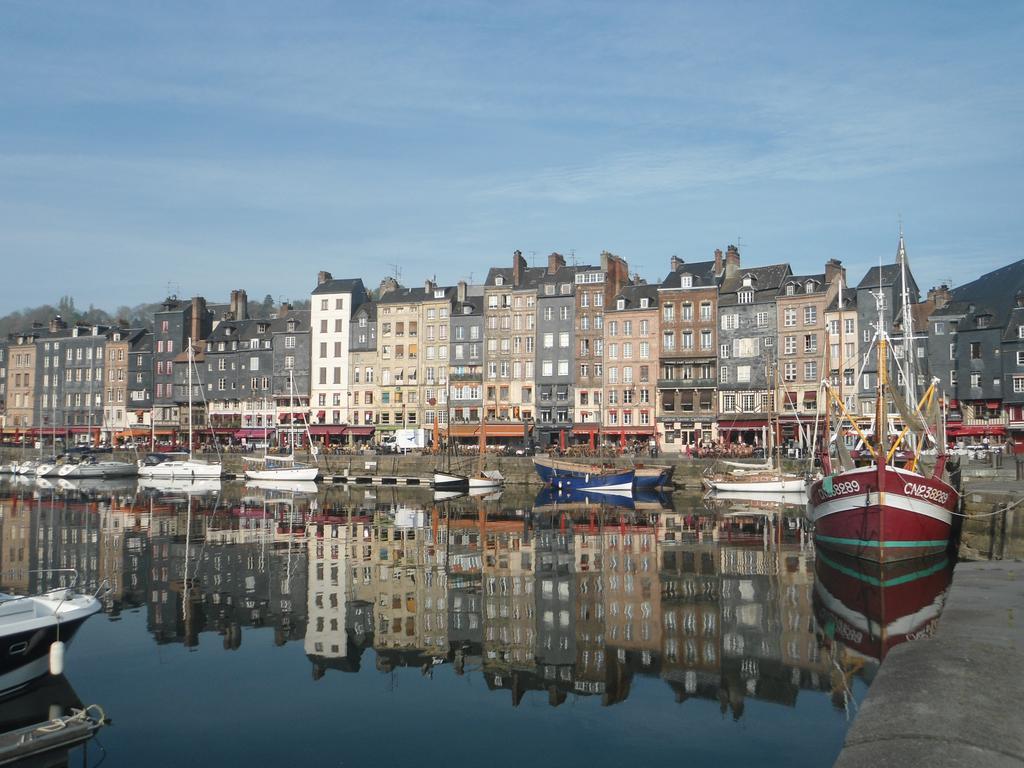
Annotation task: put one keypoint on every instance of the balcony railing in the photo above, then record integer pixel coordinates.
(685, 383)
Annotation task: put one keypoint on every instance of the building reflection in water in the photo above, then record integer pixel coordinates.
(553, 598)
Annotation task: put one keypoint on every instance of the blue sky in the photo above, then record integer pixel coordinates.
(212, 146)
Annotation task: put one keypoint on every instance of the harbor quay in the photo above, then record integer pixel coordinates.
(949, 700)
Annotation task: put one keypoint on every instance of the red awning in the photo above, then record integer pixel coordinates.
(954, 403)
(585, 429)
(648, 430)
(321, 415)
(994, 404)
(83, 430)
(741, 424)
(810, 395)
(327, 429)
(791, 397)
(968, 430)
(253, 432)
(360, 431)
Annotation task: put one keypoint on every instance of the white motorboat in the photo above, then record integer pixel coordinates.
(31, 626)
(486, 479)
(92, 466)
(177, 466)
(306, 487)
(450, 481)
(27, 467)
(195, 486)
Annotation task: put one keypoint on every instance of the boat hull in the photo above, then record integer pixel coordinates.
(882, 517)
(173, 470)
(581, 477)
(653, 477)
(449, 481)
(100, 469)
(287, 473)
(793, 485)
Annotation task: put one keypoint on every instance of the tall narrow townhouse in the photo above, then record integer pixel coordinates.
(365, 369)
(21, 374)
(3, 382)
(803, 351)
(173, 325)
(82, 355)
(747, 333)
(688, 352)
(120, 413)
(841, 327)
(331, 307)
(291, 348)
(50, 377)
(467, 363)
(510, 319)
(631, 365)
(555, 367)
(596, 287)
(436, 312)
(398, 331)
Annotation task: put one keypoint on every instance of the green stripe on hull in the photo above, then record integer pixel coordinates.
(875, 582)
(880, 544)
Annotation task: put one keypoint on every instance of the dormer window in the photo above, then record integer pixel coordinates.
(467, 310)
(809, 286)
(564, 288)
(439, 293)
(645, 304)
(983, 321)
(291, 324)
(790, 290)
(748, 281)
(499, 280)
(1020, 331)
(620, 304)
(261, 328)
(745, 297)
(686, 281)
(549, 290)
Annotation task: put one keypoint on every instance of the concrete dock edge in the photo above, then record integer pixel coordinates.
(952, 699)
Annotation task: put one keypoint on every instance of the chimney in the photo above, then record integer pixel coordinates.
(732, 261)
(718, 262)
(428, 287)
(57, 324)
(518, 268)
(198, 315)
(555, 262)
(461, 292)
(233, 306)
(387, 285)
(322, 277)
(675, 263)
(240, 309)
(941, 296)
(285, 309)
(833, 269)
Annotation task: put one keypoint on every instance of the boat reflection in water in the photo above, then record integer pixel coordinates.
(38, 726)
(549, 597)
(865, 609)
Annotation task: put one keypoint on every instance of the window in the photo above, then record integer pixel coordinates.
(723, 375)
(761, 319)
(810, 342)
(728, 402)
(1020, 358)
(789, 317)
(975, 351)
(789, 372)
(563, 340)
(952, 351)
(1018, 384)
(668, 340)
(789, 345)
(705, 339)
(975, 379)
(743, 374)
(730, 322)
(723, 351)
(848, 325)
(548, 341)
(939, 328)
(810, 370)
(563, 367)
(745, 296)
(705, 310)
(686, 310)
(668, 312)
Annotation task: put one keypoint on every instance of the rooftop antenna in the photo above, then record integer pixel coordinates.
(173, 289)
(397, 270)
(572, 256)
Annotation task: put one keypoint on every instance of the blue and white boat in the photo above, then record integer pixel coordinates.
(653, 476)
(569, 475)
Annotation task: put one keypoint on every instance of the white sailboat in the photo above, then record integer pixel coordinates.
(485, 479)
(173, 466)
(768, 477)
(269, 467)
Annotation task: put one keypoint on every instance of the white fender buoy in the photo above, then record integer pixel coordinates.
(57, 658)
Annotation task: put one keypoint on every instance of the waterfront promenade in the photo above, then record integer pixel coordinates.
(951, 700)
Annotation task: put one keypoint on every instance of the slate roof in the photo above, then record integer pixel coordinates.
(347, 285)
(531, 276)
(416, 295)
(632, 294)
(1013, 322)
(703, 273)
(890, 275)
(800, 281)
(766, 283)
(849, 301)
(994, 293)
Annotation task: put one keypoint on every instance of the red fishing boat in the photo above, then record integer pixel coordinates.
(885, 505)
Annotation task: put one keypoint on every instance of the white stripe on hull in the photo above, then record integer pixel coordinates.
(892, 501)
(761, 486)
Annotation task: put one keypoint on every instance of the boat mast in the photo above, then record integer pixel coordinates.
(910, 391)
(190, 400)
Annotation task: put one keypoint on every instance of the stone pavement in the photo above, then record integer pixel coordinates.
(953, 699)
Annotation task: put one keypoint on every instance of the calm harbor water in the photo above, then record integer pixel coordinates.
(252, 626)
